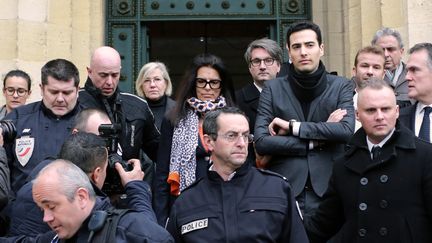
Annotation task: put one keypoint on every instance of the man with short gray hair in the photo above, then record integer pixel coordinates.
(391, 41)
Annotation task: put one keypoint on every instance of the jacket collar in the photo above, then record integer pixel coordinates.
(357, 155)
(96, 93)
(239, 173)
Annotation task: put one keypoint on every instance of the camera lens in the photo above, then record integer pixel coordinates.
(8, 131)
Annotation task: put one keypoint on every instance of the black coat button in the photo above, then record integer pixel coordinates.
(383, 204)
(384, 178)
(383, 231)
(364, 181)
(362, 206)
(362, 232)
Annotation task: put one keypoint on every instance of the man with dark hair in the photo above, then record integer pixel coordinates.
(235, 202)
(305, 118)
(88, 152)
(395, 69)
(381, 188)
(43, 126)
(419, 78)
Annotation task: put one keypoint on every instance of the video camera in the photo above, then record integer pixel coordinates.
(111, 134)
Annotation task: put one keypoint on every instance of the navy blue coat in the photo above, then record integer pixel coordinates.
(132, 227)
(254, 206)
(49, 133)
(27, 218)
(389, 200)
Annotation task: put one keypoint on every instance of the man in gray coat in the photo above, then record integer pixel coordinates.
(305, 118)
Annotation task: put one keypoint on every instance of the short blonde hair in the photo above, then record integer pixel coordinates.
(144, 72)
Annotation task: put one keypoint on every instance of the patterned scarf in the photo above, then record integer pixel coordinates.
(185, 142)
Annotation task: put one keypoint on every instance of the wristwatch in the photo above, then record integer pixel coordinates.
(291, 126)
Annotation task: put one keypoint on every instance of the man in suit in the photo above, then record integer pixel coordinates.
(381, 189)
(264, 58)
(305, 118)
(419, 77)
(391, 41)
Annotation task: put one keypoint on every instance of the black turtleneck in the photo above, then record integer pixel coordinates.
(158, 108)
(307, 87)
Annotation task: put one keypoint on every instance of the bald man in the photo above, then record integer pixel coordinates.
(132, 113)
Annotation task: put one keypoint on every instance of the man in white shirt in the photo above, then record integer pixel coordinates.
(419, 77)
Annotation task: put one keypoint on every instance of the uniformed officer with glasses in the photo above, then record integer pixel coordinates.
(235, 202)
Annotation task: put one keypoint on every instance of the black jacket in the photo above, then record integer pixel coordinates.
(138, 128)
(163, 199)
(385, 201)
(48, 131)
(26, 217)
(254, 206)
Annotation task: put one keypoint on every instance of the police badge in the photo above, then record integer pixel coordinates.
(24, 149)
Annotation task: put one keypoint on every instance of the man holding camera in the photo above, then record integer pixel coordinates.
(87, 151)
(138, 131)
(41, 127)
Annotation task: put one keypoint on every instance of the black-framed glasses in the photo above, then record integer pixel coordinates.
(233, 137)
(11, 91)
(202, 83)
(257, 62)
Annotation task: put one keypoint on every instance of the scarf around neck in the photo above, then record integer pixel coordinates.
(184, 144)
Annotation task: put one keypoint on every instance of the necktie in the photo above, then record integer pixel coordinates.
(375, 152)
(425, 126)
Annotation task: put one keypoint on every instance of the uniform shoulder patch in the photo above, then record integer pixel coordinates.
(268, 172)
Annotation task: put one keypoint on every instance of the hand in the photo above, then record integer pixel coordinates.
(278, 127)
(262, 160)
(337, 115)
(134, 175)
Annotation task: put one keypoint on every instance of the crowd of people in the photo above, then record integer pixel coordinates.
(297, 155)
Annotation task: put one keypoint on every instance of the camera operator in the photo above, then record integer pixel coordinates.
(138, 131)
(90, 154)
(42, 127)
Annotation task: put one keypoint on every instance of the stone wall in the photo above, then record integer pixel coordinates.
(35, 31)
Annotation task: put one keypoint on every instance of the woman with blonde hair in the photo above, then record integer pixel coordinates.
(154, 85)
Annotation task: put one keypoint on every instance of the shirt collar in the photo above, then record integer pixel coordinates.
(381, 144)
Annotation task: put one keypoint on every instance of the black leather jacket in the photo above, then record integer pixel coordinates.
(137, 121)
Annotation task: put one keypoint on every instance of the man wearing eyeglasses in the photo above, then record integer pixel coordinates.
(305, 118)
(235, 202)
(43, 126)
(16, 90)
(264, 58)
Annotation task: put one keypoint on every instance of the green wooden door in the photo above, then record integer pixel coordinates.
(173, 31)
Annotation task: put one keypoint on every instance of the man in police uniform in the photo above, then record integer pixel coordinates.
(43, 126)
(236, 202)
(138, 130)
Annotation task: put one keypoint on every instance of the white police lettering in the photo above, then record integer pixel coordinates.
(195, 225)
